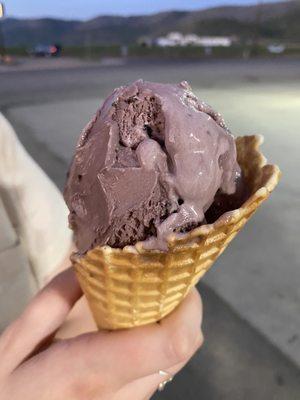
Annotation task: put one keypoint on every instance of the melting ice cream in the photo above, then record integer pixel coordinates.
(148, 164)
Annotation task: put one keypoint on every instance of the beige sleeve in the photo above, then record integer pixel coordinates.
(34, 205)
(17, 284)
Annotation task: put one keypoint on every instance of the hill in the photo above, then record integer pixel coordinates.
(280, 20)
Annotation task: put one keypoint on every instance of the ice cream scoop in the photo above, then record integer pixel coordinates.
(149, 163)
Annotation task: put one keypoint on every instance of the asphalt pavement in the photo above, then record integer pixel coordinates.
(251, 295)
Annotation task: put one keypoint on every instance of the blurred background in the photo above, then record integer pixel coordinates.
(59, 60)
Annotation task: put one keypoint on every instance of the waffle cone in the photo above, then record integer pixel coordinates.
(133, 286)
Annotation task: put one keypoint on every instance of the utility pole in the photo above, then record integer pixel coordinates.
(2, 43)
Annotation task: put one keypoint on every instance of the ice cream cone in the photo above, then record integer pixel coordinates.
(133, 286)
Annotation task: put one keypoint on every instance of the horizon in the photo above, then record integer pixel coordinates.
(80, 10)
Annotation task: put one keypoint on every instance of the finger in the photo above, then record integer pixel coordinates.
(144, 388)
(41, 318)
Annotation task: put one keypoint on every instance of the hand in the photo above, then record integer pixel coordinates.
(117, 365)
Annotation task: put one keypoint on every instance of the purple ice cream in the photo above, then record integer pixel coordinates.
(149, 163)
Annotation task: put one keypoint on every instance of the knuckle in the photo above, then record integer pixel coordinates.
(181, 345)
(78, 389)
(88, 382)
(87, 387)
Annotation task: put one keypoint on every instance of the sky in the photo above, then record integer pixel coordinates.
(85, 9)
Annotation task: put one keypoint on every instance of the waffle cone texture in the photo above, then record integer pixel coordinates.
(132, 286)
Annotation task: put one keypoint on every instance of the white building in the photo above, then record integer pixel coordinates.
(170, 40)
(214, 41)
(178, 39)
(164, 42)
